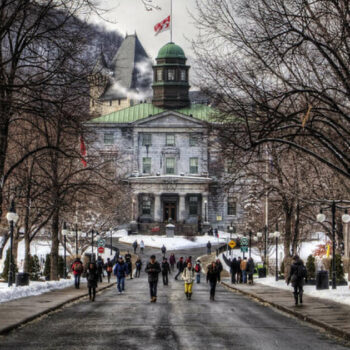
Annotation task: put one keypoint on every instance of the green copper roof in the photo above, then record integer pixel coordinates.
(171, 50)
(143, 110)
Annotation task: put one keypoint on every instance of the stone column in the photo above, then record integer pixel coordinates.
(182, 207)
(157, 208)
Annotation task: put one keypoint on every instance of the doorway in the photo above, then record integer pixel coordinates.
(169, 211)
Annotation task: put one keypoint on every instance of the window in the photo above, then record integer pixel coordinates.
(170, 139)
(194, 139)
(193, 165)
(171, 74)
(193, 205)
(146, 165)
(159, 75)
(146, 139)
(146, 206)
(108, 138)
(183, 76)
(231, 206)
(170, 166)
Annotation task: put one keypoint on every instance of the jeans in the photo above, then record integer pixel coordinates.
(77, 280)
(153, 288)
(92, 293)
(165, 279)
(138, 271)
(244, 273)
(212, 288)
(121, 284)
(198, 278)
(208, 251)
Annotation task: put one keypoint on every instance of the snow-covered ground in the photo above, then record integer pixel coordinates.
(34, 288)
(173, 243)
(340, 295)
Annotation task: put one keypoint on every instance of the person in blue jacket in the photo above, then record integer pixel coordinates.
(121, 271)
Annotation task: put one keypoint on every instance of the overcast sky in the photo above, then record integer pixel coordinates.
(130, 16)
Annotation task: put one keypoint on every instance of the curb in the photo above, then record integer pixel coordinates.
(335, 331)
(10, 328)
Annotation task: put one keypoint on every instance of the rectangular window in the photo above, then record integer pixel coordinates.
(183, 75)
(146, 165)
(171, 74)
(170, 166)
(170, 139)
(159, 75)
(146, 206)
(194, 140)
(193, 205)
(231, 206)
(193, 165)
(146, 139)
(108, 138)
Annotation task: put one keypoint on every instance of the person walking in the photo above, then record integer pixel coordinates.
(138, 265)
(77, 268)
(120, 271)
(135, 246)
(219, 268)
(250, 270)
(163, 249)
(172, 261)
(234, 268)
(129, 263)
(198, 269)
(100, 265)
(208, 248)
(297, 275)
(180, 267)
(188, 275)
(165, 271)
(244, 269)
(92, 277)
(142, 246)
(239, 272)
(153, 269)
(212, 278)
(109, 269)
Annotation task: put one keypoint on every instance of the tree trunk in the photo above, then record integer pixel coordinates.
(54, 245)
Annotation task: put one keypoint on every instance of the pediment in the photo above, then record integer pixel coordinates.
(169, 119)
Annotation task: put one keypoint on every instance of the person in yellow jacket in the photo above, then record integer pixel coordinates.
(188, 276)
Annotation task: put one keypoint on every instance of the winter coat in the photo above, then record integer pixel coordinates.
(163, 250)
(219, 266)
(142, 244)
(153, 270)
(165, 268)
(134, 244)
(297, 274)
(180, 265)
(77, 267)
(127, 258)
(92, 277)
(188, 275)
(235, 266)
(244, 265)
(208, 245)
(250, 266)
(138, 264)
(172, 260)
(121, 269)
(198, 268)
(109, 266)
(239, 260)
(212, 273)
(100, 264)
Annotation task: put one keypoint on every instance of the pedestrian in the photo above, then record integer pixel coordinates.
(142, 246)
(210, 232)
(77, 268)
(172, 261)
(216, 233)
(92, 277)
(198, 269)
(250, 270)
(244, 269)
(297, 275)
(120, 271)
(135, 246)
(109, 269)
(153, 269)
(129, 263)
(138, 265)
(219, 268)
(100, 265)
(208, 248)
(165, 271)
(163, 249)
(234, 269)
(212, 278)
(239, 272)
(180, 267)
(188, 276)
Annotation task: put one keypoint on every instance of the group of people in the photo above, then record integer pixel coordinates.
(242, 270)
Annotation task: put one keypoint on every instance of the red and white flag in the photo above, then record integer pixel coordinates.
(162, 26)
(83, 151)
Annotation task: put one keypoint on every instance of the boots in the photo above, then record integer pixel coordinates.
(189, 296)
(296, 298)
(300, 298)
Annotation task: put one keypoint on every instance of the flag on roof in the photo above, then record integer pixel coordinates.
(162, 26)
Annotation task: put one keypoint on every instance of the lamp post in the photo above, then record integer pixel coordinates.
(12, 218)
(205, 210)
(276, 235)
(76, 240)
(65, 232)
(250, 243)
(92, 246)
(110, 230)
(346, 219)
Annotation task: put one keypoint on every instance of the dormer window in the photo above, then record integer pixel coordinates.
(183, 75)
(171, 74)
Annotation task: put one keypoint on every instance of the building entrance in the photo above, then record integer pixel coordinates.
(169, 211)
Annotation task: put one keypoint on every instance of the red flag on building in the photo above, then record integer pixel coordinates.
(83, 151)
(162, 26)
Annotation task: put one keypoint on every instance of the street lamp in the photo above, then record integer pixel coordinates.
(65, 233)
(276, 235)
(250, 243)
(12, 217)
(205, 210)
(110, 230)
(92, 246)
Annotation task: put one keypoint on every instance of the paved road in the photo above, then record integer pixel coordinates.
(129, 321)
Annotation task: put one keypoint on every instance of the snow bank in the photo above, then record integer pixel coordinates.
(34, 288)
(173, 243)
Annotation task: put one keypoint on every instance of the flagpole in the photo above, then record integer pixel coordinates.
(171, 21)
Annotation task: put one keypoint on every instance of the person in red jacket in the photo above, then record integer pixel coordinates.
(77, 268)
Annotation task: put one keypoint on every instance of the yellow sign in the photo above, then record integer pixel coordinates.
(232, 244)
(218, 218)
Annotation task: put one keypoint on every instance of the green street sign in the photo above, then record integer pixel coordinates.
(244, 241)
(101, 243)
(244, 249)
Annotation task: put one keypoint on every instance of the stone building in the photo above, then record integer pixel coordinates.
(167, 154)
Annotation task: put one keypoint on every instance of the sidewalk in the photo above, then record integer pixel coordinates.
(17, 312)
(331, 316)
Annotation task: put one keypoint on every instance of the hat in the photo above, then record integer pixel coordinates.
(153, 256)
(120, 257)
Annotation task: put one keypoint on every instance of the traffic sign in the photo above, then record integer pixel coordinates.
(244, 241)
(244, 249)
(101, 250)
(101, 242)
(232, 244)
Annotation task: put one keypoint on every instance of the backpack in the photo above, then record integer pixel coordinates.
(78, 267)
(109, 268)
(301, 271)
(197, 268)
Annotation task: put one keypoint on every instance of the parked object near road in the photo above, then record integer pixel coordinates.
(153, 269)
(322, 280)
